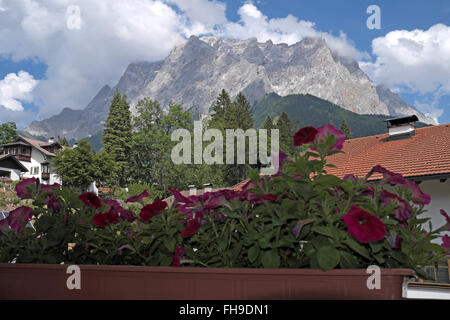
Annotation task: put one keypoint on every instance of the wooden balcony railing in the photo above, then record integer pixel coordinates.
(45, 176)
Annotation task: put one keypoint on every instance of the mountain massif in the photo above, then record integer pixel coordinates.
(196, 71)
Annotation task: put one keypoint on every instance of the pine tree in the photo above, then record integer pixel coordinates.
(117, 134)
(238, 116)
(346, 129)
(268, 124)
(218, 110)
(286, 133)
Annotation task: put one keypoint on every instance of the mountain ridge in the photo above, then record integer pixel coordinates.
(195, 72)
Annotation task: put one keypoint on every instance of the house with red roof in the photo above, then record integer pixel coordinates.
(27, 158)
(421, 155)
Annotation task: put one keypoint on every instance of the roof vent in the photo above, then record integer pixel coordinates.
(401, 127)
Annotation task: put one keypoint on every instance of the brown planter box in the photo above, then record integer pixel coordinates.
(46, 281)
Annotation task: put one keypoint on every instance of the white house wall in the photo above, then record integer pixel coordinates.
(37, 158)
(440, 199)
(15, 174)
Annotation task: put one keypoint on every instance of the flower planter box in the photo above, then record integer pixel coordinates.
(45, 281)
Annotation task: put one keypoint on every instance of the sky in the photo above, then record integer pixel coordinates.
(59, 53)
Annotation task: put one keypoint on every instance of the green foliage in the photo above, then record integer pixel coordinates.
(313, 111)
(293, 220)
(286, 128)
(345, 129)
(63, 142)
(8, 133)
(76, 167)
(117, 134)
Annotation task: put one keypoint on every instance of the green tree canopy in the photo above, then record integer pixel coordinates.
(8, 133)
(76, 166)
(284, 124)
(346, 129)
(117, 134)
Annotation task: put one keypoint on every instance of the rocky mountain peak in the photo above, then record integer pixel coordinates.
(195, 72)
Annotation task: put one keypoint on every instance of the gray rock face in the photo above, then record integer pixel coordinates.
(195, 72)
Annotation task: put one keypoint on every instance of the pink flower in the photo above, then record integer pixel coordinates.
(138, 197)
(19, 217)
(326, 130)
(104, 219)
(421, 198)
(445, 215)
(24, 186)
(90, 199)
(304, 135)
(127, 215)
(50, 187)
(394, 241)
(192, 227)
(403, 210)
(112, 205)
(153, 209)
(391, 177)
(364, 226)
(52, 202)
(445, 242)
(270, 197)
(179, 254)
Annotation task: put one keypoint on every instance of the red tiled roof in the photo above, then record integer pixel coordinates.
(424, 154)
(39, 144)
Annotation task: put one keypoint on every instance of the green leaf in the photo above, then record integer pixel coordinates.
(348, 261)
(352, 244)
(253, 253)
(270, 259)
(170, 244)
(325, 231)
(328, 258)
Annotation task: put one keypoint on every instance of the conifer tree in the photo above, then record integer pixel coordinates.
(117, 134)
(286, 133)
(346, 129)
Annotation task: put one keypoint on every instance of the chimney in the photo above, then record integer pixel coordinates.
(208, 187)
(401, 127)
(192, 190)
(51, 140)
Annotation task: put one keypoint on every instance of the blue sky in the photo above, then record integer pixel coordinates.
(59, 67)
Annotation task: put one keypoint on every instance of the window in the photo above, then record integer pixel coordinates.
(34, 170)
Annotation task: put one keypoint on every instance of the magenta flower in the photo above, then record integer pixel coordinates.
(445, 215)
(50, 187)
(403, 210)
(445, 242)
(420, 197)
(269, 196)
(350, 177)
(394, 241)
(304, 135)
(364, 226)
(192, 227)
(113, 205)
(391, 177)
(153, 209)
(90, 199)
(127, 215)
(22, 186)
(138, 197)
(52, 202)
(326, 130)
(19, 217)
(281, 159)
(179, 254)
(103, 219)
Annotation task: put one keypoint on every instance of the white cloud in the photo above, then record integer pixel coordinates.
(15, 88)
(114, 33)
(416, 61)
